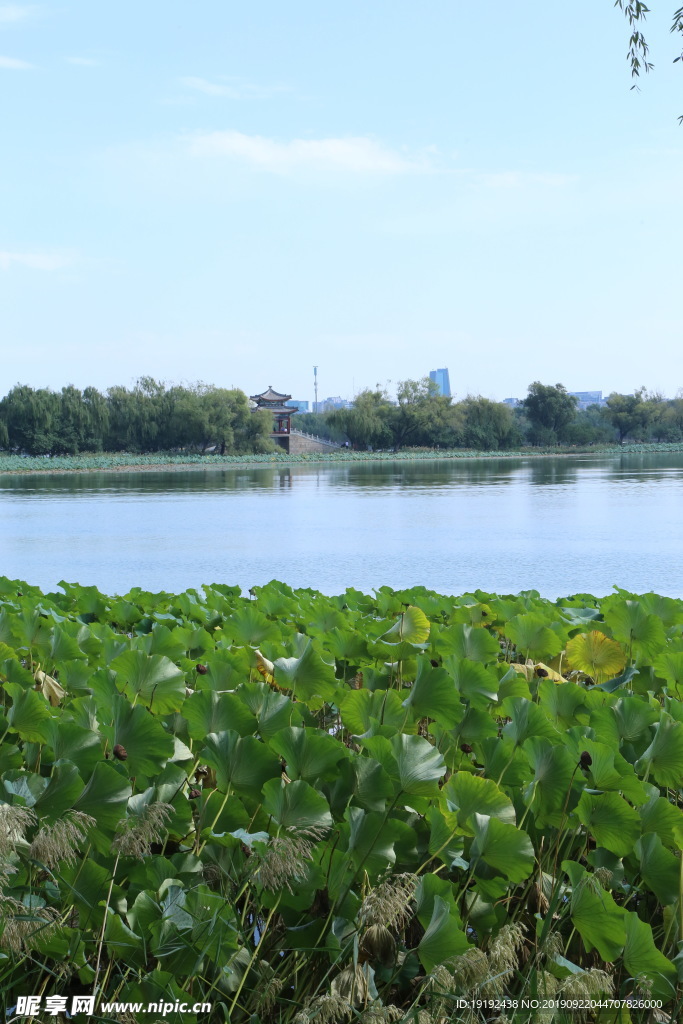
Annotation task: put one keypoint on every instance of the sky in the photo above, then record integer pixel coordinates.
(235, 192)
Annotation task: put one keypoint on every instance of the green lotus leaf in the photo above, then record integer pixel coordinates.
(63, 789)
(579, 616)
(371, 841)
(613, 822)
(411, 761)
(468, 794)
(29, 714)
(10, 757)
(372, 786)
(443, 939)
(241, 763)
(533, 637)
(659, 868)
(25, 785)
(144, 912)
(359, 708)
(667, 609)
(84, 885)
(528, 719)
(249, 627)
(147, 744)
(643, 959)
(596, 917)
(151, 680)
(476, 685)
(434, 695)
(471, 642)
(322, 617)
(596, 655)
(669, 665)
(65, 647)
(446, 837)
(207, 711)
(554, 773)
(296, 805)
(309, 754)
(306, 676)
(664, 756)
(214, 934)
(502, 846)
(631, 624)
(428, 888)
(345, 645)
(411, 627)
(273, 711)
(505, 763)
(609, 771)
(171, 643)
(659, 815)
(104, 798)
(564, 703)
(122, 941)
(624, 678)
(634, 717)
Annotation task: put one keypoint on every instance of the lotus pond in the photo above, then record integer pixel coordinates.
(355, 808)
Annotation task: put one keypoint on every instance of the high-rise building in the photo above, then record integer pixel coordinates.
(441, 378)
(297, 403)
(586, 398)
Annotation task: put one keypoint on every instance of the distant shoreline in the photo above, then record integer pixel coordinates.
(14, 465)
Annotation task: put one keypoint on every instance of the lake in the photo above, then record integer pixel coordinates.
(558, 525)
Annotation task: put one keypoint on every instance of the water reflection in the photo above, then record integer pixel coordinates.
(560, 525)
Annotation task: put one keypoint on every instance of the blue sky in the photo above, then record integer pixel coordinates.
(235, 192)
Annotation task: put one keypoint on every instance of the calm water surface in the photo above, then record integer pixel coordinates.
(560, 526)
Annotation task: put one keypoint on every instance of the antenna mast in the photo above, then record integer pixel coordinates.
(315, 387)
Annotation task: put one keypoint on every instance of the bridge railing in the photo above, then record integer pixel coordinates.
(315, 437)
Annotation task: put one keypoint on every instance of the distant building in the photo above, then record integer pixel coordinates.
(298, 404)
(512, 402)
(441, 378)
(586, 398)
(333, 402)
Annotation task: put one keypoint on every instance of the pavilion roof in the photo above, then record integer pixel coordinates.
(271, 396)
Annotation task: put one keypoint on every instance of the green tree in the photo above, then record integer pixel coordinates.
(488, 425)
(591, 427)
(421, 416)
(628, 414)
(367, 421)
(31, 418)
(319, 423)
(550, 410)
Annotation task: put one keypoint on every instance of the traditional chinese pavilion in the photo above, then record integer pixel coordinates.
(275, 403)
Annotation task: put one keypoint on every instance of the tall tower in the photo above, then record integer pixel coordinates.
(315, 388)
(441, 378)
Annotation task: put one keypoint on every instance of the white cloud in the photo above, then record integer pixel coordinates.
(357, 155)
(232, 88)
(10, 14)
(524, 179)
(12, 64)
(210, 88)
(34, 260)
(86, 62)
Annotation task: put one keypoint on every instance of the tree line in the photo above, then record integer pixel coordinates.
(547, 416)
(149, 417)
